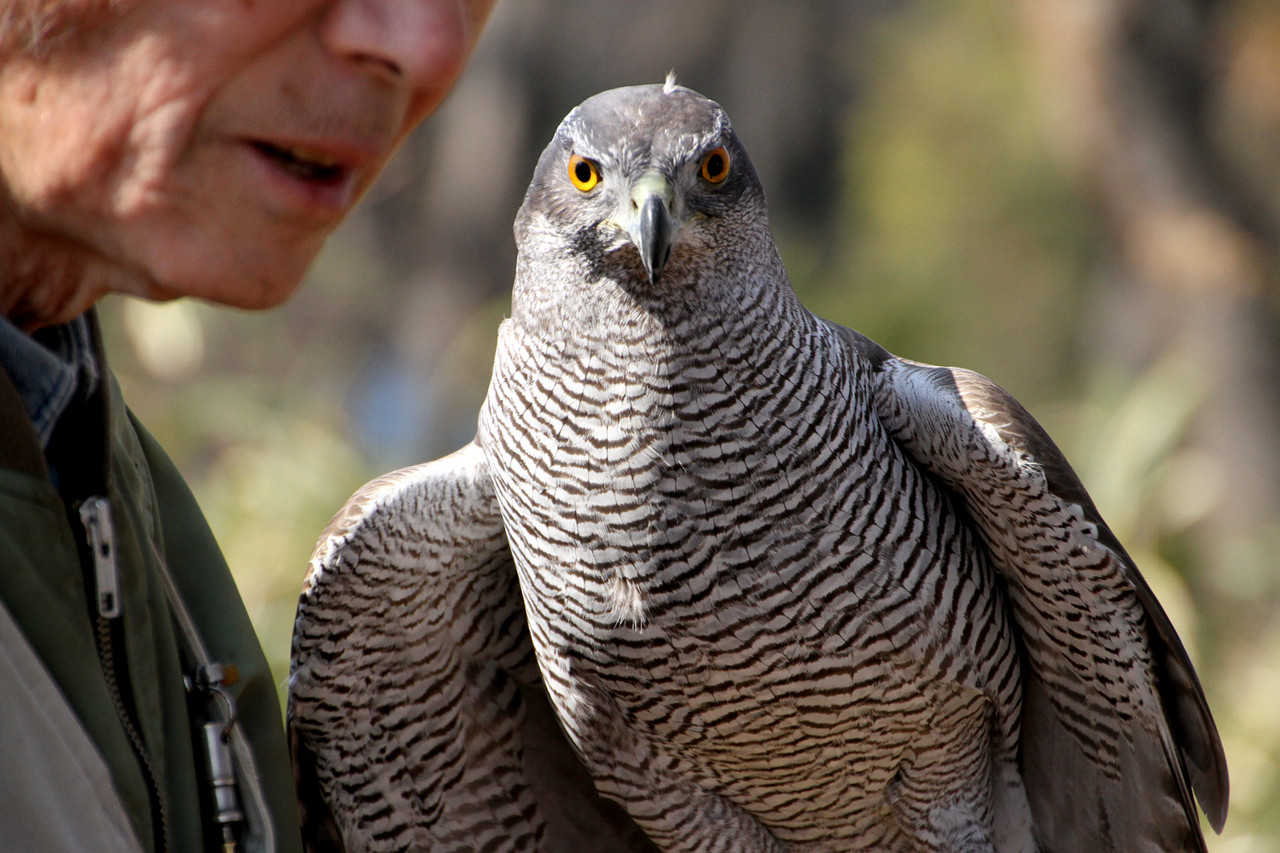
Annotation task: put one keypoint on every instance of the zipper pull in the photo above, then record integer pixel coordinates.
(95, 515)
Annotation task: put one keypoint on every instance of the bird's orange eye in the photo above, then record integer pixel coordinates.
(583, 172)
(715, 166)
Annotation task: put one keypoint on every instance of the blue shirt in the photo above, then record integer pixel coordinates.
(49, 368)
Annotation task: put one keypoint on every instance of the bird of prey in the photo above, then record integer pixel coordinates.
(719, 575)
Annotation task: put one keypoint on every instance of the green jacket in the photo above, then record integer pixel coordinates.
(77, 772)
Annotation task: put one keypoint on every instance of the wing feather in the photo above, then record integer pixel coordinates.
(1117, 733)
(417, 715)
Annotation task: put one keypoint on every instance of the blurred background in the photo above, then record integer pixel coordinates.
(1077, 198)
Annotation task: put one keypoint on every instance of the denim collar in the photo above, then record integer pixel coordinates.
(49, 368)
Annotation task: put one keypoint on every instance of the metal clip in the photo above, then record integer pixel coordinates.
(222, 781)
(212, 679)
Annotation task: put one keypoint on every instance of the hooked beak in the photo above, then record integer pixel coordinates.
(651, 227)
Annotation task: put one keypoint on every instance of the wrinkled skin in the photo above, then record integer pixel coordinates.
(202, 147)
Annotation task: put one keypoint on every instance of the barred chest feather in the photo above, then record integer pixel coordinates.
(719, 558)
(659, 493)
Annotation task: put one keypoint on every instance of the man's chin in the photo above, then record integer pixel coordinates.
(238, 287)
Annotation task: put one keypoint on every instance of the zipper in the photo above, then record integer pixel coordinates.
(95, 516)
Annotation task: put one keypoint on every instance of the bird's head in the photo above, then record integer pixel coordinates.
(644, 184)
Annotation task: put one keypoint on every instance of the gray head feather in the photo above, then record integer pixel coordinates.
(641, 141)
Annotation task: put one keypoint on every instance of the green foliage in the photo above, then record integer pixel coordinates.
(959, 241)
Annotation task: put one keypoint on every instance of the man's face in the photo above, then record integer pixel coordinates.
(206, 147)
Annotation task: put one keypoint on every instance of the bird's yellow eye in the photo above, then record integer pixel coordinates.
(715, 166)
(583, 172)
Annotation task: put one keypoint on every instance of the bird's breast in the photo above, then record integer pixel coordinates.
(698, 531)
(643, 481)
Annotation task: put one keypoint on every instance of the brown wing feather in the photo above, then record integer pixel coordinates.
(417, 716)
(320, 832)
(1116, 729)
(1185, 705)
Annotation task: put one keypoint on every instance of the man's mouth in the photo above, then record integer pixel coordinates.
(306, 163)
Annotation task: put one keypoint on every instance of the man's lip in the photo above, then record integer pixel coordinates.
(322, 177)
(322, 161)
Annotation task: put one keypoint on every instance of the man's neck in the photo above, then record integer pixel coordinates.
(45, 281)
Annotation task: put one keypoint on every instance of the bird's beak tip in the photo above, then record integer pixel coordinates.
(653, 232)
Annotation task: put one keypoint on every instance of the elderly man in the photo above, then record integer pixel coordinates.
(161, 148)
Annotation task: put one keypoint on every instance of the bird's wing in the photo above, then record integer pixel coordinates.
(417, 716)
(1116, 732)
